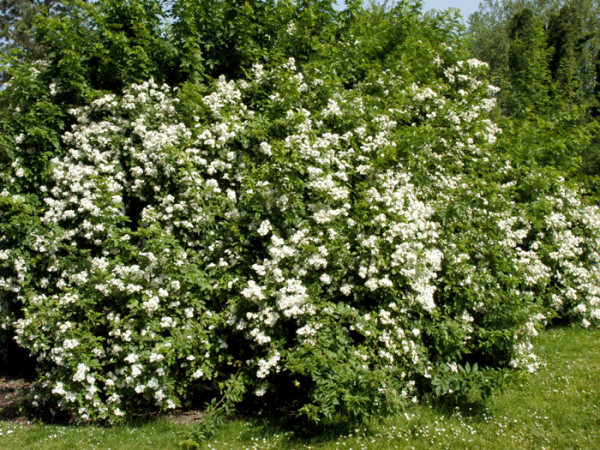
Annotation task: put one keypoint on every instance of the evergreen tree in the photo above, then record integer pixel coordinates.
(528, 64)
(566, 37)
(17, 18)
(572, 32)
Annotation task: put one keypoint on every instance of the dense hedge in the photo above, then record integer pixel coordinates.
(350, 235)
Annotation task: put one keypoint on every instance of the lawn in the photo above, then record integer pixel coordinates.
(557, 407)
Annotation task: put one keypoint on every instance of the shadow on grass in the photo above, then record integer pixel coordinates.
(296, 433)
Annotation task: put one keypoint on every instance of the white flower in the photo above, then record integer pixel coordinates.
(82, 370)
(167, 322)
(265, 148)
(266, 365)
(346, 289)
(70, 344)
(325, 279)
(264, 228)
(154, 357)
(152, 304)
(253, 291)
(131, 358)
(59, 389)
(136, 370)
(372, 284)
(260, 392)
(307, 330)
(260, 336)
(292, 298)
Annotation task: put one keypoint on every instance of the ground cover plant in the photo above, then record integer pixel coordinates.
(327, 220)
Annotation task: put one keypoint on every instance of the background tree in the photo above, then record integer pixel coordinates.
(528, 73)
(544, 54)
(569, 41)
(17, 19)
(489, 26)
(571, 28)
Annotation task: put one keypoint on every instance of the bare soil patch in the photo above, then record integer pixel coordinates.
(185, 417)
(13, 399)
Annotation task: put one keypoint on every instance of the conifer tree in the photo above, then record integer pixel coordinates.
(566, 37)
(528, 63)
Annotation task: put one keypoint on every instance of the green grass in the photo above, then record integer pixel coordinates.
(557, 407)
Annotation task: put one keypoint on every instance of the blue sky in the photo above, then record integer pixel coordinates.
(467, 7)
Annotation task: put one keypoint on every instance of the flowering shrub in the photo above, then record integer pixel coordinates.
(349, 247)
(566, 244)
